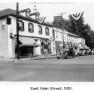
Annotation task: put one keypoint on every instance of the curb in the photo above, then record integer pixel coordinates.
(37, 58)
(25, 59)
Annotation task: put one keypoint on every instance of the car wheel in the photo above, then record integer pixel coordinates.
(58, 57)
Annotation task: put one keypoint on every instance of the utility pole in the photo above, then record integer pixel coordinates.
(63, 42)
(17, 28)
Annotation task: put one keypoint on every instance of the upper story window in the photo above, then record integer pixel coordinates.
(47, 31)
(28, 14)
(31, 27)
(21, 25)
(40, 29)
(53, 34)
(56, 34)
(3, 27)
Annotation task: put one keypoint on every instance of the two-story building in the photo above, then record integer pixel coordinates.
(72, 38)
(34, 37)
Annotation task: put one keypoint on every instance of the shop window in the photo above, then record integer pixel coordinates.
(21, 25)
(30, 27)
(47, 31)
(40, 29)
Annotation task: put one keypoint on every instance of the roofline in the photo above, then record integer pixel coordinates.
(24, 18)
(71, 34)
(31, 37)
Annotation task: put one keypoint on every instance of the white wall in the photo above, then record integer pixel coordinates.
(81, 40)
(69, 37)
(12, 29)
(3, 39)
(36, 31)
(58, 34)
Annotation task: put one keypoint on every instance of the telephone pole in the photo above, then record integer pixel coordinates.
(17, 37)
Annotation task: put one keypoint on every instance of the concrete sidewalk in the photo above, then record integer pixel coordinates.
(28, 58)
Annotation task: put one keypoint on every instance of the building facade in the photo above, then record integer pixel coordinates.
(34, 38)
(70, 38)
(58, 38)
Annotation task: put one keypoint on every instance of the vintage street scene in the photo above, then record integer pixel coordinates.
(46, 41)
(77, 69)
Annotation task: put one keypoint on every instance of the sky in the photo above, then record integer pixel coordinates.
(51, 9)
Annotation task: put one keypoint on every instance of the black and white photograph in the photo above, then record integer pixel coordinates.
(47, 42)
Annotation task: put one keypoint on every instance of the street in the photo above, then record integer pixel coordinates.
(76, 69)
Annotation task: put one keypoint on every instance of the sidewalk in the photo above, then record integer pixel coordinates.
(39, 57)
(28, 58)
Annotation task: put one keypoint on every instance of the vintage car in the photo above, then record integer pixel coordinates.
(66, 54)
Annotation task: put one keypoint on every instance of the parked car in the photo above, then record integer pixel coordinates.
(67, 53)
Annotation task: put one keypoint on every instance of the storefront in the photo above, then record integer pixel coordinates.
(27, 46)
(45, 47)
(58, 48)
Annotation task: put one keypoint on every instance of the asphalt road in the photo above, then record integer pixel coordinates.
(76, 69)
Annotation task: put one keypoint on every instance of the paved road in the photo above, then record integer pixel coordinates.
(77, 69)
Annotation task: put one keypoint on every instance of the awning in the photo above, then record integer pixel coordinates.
(85, 47)
(28, 41)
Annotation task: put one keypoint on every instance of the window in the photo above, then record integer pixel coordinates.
(21, 25)
(40, 29)
(8, 21)
(3, 24)
(53, 34)
(56, 34)
(30, 27)
(28, 14)
(3, 27)
(47, 31)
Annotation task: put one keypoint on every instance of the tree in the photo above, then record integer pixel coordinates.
(84, 30)
(77, 26)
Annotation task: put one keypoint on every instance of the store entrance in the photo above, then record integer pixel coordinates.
(27, 51)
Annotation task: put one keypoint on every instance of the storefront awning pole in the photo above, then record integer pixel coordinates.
(17, 14)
